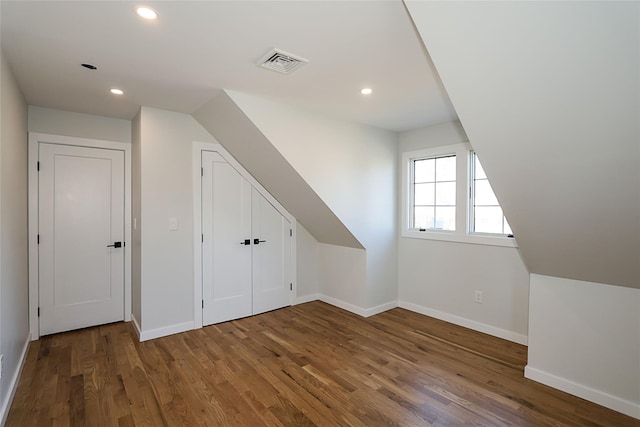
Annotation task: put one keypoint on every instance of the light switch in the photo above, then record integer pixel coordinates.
(173, 223)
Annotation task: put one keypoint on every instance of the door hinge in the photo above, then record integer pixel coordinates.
(201, 171)
(202, 303)
(202, 238)
(38, 166)
(38, 311)
(290, 286)
(38, 239)
(290, 232)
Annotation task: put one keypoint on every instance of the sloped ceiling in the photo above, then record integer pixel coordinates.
(548, 93)
(228, 124)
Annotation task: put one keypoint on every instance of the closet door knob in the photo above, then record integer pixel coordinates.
(246, 242)
(258, 241)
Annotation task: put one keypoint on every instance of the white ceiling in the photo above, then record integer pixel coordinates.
(196, 48)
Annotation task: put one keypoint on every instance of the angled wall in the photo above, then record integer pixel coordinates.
(548, 93)
(338, 179)
(227, 122)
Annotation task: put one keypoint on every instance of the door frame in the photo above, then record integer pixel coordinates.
(34, 275)
(198, 148)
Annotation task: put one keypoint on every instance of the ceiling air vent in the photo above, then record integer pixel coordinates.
(282, 62)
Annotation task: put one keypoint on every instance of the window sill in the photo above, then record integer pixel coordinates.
(452, 236)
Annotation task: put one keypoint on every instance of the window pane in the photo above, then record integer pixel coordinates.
(423, 217)
(446, 168)
(424, 194)
(486, 211)
(507, 227)
(424, 170)
(478, 168)
(434, 193)
(488, 219)
(446, 193)
(445, 218)
(484, 194)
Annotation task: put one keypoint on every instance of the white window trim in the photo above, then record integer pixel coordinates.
(462, 232)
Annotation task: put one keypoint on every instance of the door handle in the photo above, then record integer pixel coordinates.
(258, 241)
(115, 245)
(246, 242)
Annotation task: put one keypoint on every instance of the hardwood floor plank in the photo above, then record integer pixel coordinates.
(307, 365)
(76, 401)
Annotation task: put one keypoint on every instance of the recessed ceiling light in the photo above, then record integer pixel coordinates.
(116, 91)
(366, 91)
(146, 13)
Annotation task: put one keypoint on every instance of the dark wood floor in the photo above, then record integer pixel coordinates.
(311, 364)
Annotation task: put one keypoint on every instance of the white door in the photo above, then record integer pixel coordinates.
(246, 246)
(226, 245)
(271, 257)
(81, 217)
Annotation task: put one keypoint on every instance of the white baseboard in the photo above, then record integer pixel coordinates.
(596, 396)
(306, 298)
(364, 312)
(13, 385)
(167, 330)
(467, 323)
(380, 308)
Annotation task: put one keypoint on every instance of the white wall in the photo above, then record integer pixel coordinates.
(136, 236)
(307, 267)
(167, 256)
(353, 168)
(58, 122)
(14, 286)
(584, 338)
(343, 277)
(439, 278)
(448, 133)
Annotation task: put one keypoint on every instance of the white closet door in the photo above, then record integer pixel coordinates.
(271, 257)
(81, 216)
(226, 224)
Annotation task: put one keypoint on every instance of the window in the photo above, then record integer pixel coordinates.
(486, 214)
(446, 196)
(434, 193)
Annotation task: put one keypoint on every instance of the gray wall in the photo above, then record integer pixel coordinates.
(439, 278)
(58, 122)
(136, 233)
(14, 285)
(167, 277)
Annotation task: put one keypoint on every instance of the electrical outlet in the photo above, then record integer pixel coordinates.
(1, 367)
(478, 297)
